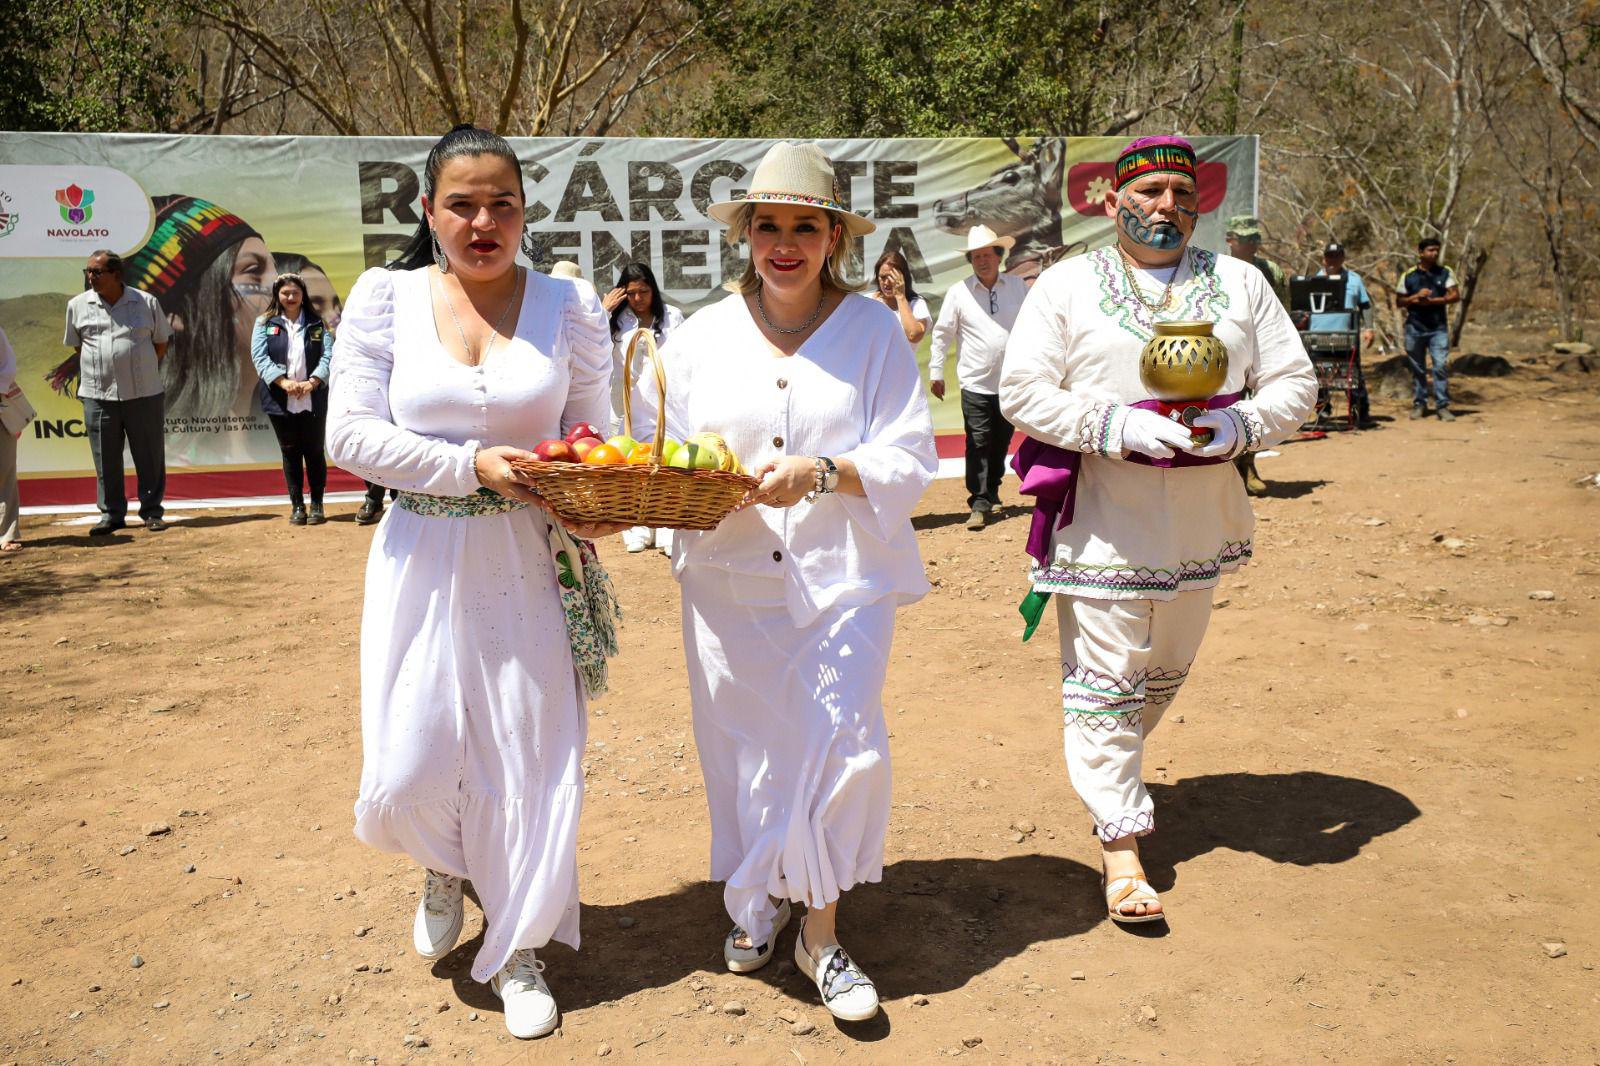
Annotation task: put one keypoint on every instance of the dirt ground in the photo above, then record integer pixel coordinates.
(1376, 797)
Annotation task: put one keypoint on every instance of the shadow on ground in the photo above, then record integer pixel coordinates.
(969, 914)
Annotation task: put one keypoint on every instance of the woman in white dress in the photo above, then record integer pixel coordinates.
(898, 293)
(472, 714)
(788, 605)
(636, 304)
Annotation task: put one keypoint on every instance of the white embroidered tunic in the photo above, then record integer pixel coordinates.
(472, 718)
(1072, 367)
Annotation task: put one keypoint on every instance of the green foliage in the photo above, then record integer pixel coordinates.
(87, 66)
(819, 68)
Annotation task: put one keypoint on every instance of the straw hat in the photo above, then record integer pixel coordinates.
(793, 174)
(984, 237)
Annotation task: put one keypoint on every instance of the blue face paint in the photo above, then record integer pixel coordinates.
(1136, 225)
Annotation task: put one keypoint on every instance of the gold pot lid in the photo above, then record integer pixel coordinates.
(1184, 329)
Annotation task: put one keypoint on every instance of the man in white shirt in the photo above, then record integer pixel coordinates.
(977, 316)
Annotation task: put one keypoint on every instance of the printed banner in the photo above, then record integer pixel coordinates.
(214, 219)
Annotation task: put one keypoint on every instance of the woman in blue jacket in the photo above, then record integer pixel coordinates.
(292, 350)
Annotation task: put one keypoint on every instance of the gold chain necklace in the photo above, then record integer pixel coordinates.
(1166, 293)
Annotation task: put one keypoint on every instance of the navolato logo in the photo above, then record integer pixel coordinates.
(76, 204)
(8, 216)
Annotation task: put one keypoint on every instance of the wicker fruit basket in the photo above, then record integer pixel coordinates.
(641, 494)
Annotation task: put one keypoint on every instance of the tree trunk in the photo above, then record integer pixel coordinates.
(1469, 285)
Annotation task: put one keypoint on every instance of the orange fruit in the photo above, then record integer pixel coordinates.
(639, 454)
(604, 455)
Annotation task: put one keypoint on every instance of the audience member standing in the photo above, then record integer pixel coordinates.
(10, 503)
(1357, 313)
(120, 335)
(898, 293)
(635, 304)
(291, 349)
(1423, 294)
(1244, 242)
(977, 317)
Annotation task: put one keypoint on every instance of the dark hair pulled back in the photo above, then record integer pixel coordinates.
(658, 306)
(462, 141)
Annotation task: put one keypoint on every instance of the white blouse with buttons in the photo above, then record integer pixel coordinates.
(852, 391)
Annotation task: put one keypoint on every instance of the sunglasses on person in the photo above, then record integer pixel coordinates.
(95, 272)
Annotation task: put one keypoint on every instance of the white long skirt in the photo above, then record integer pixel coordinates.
(472, 719)
(789, 724)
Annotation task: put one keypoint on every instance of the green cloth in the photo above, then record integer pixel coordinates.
(1032, 610)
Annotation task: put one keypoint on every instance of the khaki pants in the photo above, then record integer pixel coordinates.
(1122, 663)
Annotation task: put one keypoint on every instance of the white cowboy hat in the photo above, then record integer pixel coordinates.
(566, 269)
(984, 237)
(793, 174)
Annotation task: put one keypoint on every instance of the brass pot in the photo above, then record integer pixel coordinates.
(1183, 361)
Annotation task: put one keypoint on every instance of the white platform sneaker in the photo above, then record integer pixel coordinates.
(846, 992)
(440, 913)
(751, 959)
(530, 1008)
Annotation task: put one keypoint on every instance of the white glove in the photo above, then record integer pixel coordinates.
(1225, 438)
(1149, 434)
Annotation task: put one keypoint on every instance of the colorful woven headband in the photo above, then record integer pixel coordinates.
(190, 233)
(1155, 155)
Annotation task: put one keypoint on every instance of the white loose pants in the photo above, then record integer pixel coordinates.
(1122, 663)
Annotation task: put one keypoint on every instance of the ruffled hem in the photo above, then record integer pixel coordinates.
(808, 871)
(1131, 581)
(519, 853)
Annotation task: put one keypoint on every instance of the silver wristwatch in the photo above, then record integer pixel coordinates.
(827, 477)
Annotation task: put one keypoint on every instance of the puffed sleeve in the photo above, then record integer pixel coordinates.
(587, 332)
(362, 435)
(1283, 384)
(1036, 391)
(896, 457)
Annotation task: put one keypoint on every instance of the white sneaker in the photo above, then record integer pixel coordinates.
(638, 539)
(846, 992)
(440, 913)
(664, 541)
(750, 959)
(530, 1008)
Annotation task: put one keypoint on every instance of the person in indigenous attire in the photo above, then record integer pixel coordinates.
(788, 605)
(1136, 521)
(477, 648)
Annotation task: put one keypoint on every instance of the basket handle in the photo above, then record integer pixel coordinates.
(648, 336)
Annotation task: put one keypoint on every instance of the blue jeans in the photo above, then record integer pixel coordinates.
(1420, 345)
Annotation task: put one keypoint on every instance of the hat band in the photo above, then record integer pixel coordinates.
(1154, 159)
(793, 198)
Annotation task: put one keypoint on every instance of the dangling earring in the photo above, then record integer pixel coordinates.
(439, 259)
(530, 246)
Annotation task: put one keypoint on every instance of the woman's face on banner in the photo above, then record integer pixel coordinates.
(322, 297)
(476, 214)
(253, 271)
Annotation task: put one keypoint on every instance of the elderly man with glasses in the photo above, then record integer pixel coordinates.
(120, 335)
(977, 315)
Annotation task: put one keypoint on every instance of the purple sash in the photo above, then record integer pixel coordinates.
(1050, 475)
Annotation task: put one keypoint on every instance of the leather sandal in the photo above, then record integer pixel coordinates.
(1132, 888)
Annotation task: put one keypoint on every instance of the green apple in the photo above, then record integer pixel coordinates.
(623, 443)
(680, 459)
(669, 448)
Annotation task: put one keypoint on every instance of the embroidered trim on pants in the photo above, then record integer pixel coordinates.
(1089, 693)
(1134, 825)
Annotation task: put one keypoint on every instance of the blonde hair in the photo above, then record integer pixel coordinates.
(832, 270)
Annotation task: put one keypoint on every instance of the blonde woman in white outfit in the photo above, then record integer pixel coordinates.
(472, 711)
(788, 605)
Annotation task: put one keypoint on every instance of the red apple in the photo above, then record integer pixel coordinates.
(580, 431)
(555, 451)
(582, 448)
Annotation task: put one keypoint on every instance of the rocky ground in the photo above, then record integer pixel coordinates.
(1377, 799)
